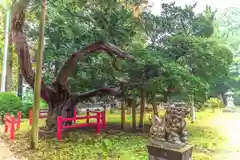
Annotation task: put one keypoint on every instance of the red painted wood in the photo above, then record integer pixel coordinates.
(98, 127)
(79, 125)
(9, 124)
(43, 114)
(100, 122)
(30, 117)
(78, 118)
(75, 114)
(59, 127)
(12, 128)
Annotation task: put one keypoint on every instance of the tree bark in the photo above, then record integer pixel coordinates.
(122, 114)
(37, 84)
(134, 106)
(222, 98)
(20, 84)
(129, 105)
(154, 104)
(142, 106)
(129, 111)
(193, 114)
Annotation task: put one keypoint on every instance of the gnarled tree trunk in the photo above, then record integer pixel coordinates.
(60, 100)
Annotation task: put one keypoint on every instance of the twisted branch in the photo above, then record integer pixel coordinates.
(78, 97)
(22, 48)
(71, 63)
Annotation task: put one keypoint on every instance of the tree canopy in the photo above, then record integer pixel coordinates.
(175, 54)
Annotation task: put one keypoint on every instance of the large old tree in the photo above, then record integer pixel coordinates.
(58, 97)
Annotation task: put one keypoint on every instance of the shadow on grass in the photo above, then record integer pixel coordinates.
(113, 143)
(84, 143)
(206, 140)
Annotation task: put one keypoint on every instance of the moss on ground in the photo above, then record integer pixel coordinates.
(114, 144)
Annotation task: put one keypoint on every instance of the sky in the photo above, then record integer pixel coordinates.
(218, 4)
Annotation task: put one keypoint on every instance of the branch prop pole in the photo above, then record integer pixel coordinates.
(78, 97)
(37, 82)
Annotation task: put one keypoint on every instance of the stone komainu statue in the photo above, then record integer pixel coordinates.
(172, 127)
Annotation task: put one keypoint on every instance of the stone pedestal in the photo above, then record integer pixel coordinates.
(163, 152)
(229, 109)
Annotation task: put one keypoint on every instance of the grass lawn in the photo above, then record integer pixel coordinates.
(114, 144)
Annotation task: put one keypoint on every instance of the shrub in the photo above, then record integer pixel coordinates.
(214, 103)
(25, 110)
(28, 103)
(237, 99)
(9, 102)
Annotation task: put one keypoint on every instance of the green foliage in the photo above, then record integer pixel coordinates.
(117, 145)
(174, 50)
(87, 22)
(14, 62)
(28, 104)
(28, 99)
(214, 103)
(9, 102)
(227, 32)
(25, 109)
(188, 60)
(237, 99)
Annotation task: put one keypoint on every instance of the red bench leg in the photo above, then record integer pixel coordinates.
(30, 117)
(98, 123)
(59, 127)
(12, 128)
(75, 114)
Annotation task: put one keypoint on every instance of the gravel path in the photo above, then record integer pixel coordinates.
(229, 125)
(5, 154)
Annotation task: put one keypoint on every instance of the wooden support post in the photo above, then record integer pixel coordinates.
(30, 117)
(98, 123)
(37, 80)
(12, 128)
(59, 127)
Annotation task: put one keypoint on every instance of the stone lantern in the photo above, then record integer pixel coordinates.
(230, 107)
